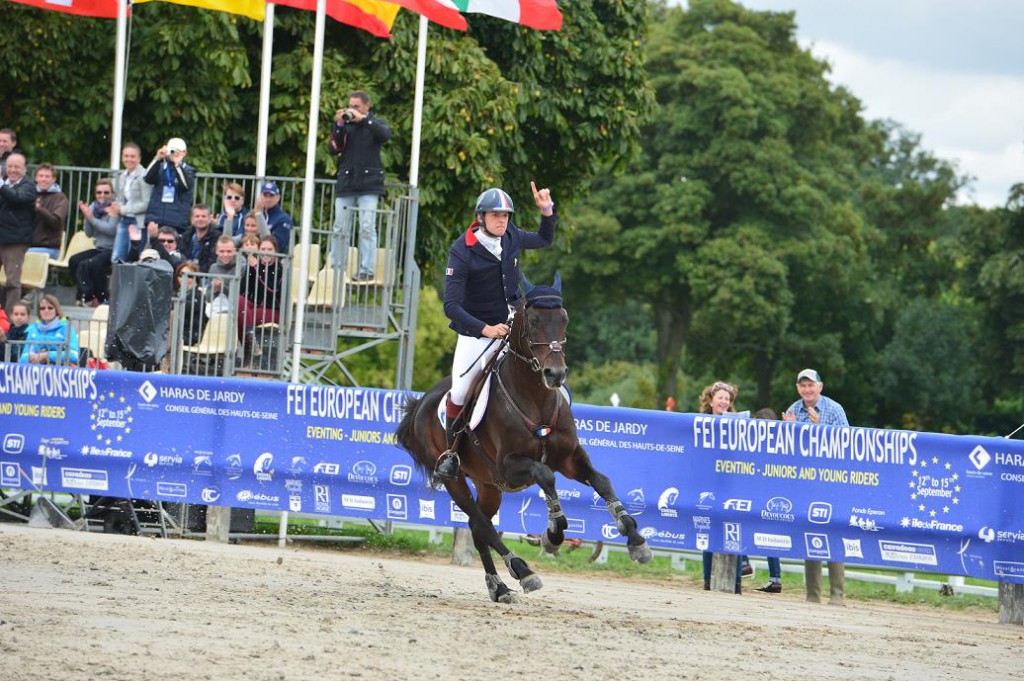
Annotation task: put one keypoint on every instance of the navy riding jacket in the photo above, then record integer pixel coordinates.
(479, 288)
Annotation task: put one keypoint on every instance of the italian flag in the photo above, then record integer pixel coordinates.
(539, 14)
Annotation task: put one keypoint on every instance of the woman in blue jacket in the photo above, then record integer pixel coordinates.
(51, 339)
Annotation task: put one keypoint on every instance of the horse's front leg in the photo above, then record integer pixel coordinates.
(580, 468)
(544, 477)
(485, 538)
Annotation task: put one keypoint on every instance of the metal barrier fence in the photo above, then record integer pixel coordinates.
(339, 304)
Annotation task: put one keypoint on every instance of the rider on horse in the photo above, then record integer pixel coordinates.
(481, 291)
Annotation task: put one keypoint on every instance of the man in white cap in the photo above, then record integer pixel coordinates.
(813, 407)
(173, 181)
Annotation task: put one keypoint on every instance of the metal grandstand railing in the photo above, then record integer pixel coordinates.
(343, 316)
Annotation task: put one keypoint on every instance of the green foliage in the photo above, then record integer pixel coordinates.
(634, 384)
(503, 104)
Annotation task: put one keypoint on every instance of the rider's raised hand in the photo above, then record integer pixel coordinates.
(542, 197)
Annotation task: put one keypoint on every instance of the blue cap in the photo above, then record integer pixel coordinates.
(269, 188)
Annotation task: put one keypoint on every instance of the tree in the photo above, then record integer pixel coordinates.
(739, 208)
(503, 104)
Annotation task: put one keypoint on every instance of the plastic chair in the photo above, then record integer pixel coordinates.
(382, 274)
(322, 293)
(79, 242)
(205, 357)
(33, 271)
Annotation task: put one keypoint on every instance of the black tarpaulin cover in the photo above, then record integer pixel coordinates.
(140, 313)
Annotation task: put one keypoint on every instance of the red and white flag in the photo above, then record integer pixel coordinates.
(104, 9)
(539, 14)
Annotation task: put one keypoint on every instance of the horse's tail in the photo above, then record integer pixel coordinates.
(403, 434)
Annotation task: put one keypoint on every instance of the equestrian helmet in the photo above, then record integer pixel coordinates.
(494, 200)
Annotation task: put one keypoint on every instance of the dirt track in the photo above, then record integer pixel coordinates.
(91, 606)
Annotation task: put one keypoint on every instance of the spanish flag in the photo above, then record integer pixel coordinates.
(373, 16)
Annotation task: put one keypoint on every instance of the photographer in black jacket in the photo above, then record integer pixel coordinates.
(357, 137)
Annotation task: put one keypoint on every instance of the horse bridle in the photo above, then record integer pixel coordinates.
(553, 346)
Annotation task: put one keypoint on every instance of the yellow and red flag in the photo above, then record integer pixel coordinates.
(254, 9)
(373, 16)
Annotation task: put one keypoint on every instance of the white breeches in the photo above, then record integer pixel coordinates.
(472, 354)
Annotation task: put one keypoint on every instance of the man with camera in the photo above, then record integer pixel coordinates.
(173, 180)
(357, 138)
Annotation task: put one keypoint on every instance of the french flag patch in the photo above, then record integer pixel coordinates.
(449, 271)
(543, 431)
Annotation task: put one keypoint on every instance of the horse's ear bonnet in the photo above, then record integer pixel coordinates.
(544, 297)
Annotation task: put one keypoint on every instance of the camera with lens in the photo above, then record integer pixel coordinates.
(347, 116)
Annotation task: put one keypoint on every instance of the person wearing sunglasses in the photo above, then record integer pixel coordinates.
(231, 220)
(50, 340)
(91, 268)
(17, 223)
(719, 399)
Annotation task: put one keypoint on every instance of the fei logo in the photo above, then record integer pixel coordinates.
(742, 505)
(819, 512)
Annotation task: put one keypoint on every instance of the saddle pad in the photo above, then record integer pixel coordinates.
(481, 404)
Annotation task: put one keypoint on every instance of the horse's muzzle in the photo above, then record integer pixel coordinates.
(554, 376)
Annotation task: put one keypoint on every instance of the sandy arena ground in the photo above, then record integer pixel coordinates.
(91, 606)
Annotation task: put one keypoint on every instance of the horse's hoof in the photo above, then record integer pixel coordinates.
(548, 545)
(641, 553)
(509, 597)
(530, 583)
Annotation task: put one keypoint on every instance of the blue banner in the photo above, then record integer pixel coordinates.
(902, 499)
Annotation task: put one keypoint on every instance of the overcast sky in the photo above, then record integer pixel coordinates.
(951, 70)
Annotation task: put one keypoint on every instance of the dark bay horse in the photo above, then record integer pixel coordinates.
(526, 436)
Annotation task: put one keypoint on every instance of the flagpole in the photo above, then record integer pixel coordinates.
(119, 77)
(417, 111)
(264, 112)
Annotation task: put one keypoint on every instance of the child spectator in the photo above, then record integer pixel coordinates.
(51, 340)
(260, 301)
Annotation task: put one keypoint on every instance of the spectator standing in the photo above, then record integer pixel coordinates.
(17, 224)
(19, 317)
(132, 195)
(92, 267)
(357, 137)
(224, 266)
(813, 407)
(200, 241)
(51, 339)
(231, 220)
(173, 181)
(51, 212)
(718, 399)
(8, 146)
(273, 218)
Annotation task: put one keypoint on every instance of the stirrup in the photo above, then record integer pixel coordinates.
(447, 466)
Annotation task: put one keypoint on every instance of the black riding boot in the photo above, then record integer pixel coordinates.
(447, 466)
